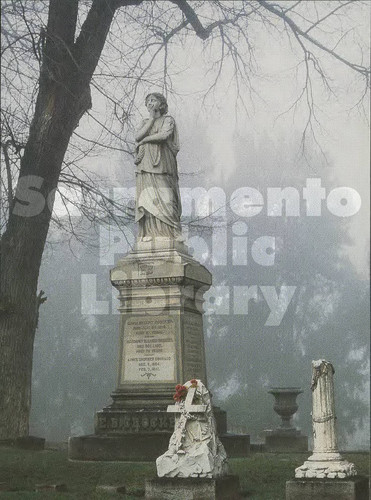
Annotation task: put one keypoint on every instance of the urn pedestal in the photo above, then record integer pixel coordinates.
(285, 437)
(161, 291)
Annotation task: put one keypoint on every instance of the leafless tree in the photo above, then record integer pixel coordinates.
(57, 55)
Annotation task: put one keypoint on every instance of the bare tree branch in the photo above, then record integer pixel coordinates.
(192, 18)
(298, 31)
(331, 13)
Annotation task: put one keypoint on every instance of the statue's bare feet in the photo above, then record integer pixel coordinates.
(147, 238)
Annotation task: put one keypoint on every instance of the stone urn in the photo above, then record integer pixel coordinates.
(285, 405)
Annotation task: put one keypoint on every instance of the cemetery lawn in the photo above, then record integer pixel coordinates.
(262, 475)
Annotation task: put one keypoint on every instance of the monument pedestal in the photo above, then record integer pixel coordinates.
(161, 291)
(354, 488)
(223, 488)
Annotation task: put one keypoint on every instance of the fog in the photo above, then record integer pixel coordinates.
(323, 258)
(76, 351)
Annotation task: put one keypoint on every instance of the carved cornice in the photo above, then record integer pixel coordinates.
(141, 282)
(147, 282)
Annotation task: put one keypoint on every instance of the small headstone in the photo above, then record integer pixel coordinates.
(51, 487)
(6, 487)
(111, 490)
(30, 443)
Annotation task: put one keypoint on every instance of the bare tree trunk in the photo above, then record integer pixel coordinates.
(21, 250)
(17, 337)
(63, 98)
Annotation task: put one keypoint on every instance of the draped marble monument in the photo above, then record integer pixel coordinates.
(194, 447)
(195, 464)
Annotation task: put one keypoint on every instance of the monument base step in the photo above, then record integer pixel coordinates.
(140, 447)
(125, 447)
(285, 443)
(166, 488)
(356, 488)
(114, 420)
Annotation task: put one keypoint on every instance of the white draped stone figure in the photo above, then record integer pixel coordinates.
(194, 448)
(158, 205)
(326, 461)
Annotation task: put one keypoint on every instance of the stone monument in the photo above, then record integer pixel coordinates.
(195, 464)
(161, 291)
(325, 474)
(285, 437)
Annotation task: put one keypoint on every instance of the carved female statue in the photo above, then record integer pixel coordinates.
(158, 206)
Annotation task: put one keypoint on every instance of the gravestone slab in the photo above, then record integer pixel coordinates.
(50, 487)
(107, 489)
(30, 443)
(276, 441)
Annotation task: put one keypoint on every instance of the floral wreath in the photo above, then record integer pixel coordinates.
(181, 391)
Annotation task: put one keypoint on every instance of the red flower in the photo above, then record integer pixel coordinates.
(180, 393)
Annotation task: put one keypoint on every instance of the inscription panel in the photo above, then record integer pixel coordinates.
(149, 349)
(194, 363)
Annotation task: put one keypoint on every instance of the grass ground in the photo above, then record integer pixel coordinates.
(262, 475)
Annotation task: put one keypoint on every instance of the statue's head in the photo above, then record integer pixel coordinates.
(162, 100)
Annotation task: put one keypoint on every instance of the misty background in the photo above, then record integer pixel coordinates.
(76, 354)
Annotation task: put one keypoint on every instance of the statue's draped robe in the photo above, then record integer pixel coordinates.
(158, 206)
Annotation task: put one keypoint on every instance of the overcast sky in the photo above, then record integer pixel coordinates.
(343, 133)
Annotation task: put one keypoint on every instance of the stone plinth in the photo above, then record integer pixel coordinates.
(224, 488)
(278, 441)
(356, 488)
